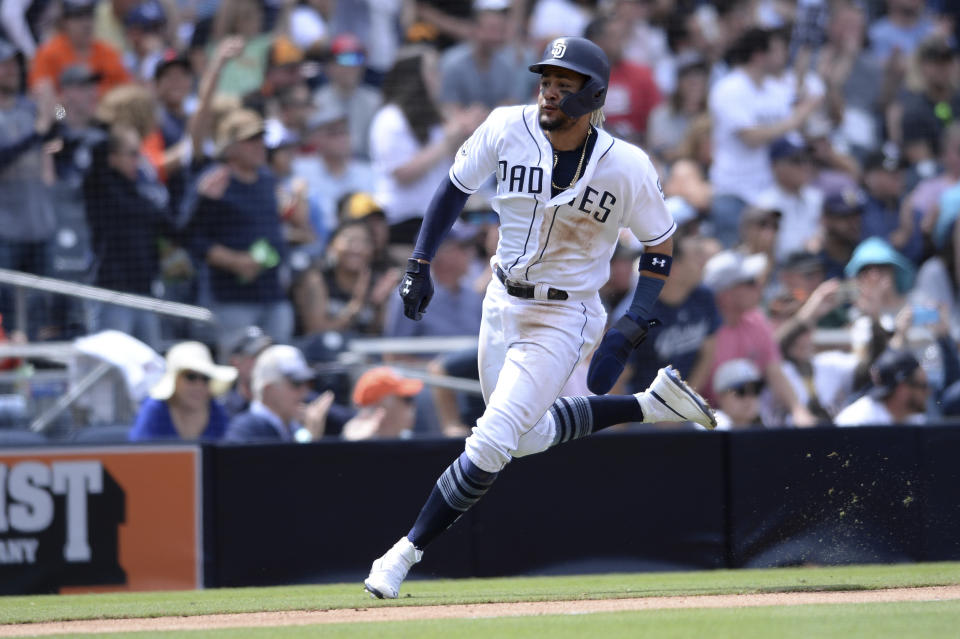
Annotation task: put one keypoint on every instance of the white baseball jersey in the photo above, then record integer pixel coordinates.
(565, 241)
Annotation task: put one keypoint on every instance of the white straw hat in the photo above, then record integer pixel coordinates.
(193, 356)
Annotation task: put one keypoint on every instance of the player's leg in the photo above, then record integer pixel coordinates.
(520, 382)
(667, 399)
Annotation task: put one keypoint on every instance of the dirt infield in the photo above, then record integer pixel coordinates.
(405, 613)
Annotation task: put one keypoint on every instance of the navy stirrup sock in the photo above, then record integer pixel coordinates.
(577, 417)
(460, 486)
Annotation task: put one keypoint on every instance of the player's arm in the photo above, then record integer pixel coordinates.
(416, 289)
(631, 329)
(474, 162)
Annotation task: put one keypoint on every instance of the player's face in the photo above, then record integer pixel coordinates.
(555, 84)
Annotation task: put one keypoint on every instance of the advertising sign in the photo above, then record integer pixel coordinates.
(100, 519)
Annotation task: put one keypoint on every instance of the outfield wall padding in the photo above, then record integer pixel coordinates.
(138, 517)
(612, 502)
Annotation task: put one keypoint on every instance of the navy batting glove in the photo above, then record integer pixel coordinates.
(615, 347)
(416, 289)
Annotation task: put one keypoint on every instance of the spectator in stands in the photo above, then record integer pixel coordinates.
(245, 72)
(346, 295)
(802, 294)
(783, 76)
(182, 405)
(937, 280)
(841, 230)
(293, 108)
(211, 109)
(173, 81)
(108, 22)
(126, 220)
(898, 395)
(690, 320)
(345, 92)
(456, 411)
(897, 34)
(236, 230)
(883, 277)
(746, 333)
(632, 93)
(792, 194)
(670, 120)
(134, 106)
(619, 287)
(410, 144)
(822, 381)
(284, 69)
(857, 87)
(71, 249)
(648, 42)
(386, 403)
(748, 114)
(74, 43)
(738, 384)
(328, 168)
(243, 355)
(834, 169)
(145, 24)
(458, 305)
(555, 18)
(360, 205)
(759, 229)
(481, 71)
(291, 194)
(280, 382)
(925, 198)
(883, 216)
(925, 113)
(27, 219)
(309, 24)
(687, 175)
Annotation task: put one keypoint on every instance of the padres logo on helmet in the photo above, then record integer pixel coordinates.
(584, 57)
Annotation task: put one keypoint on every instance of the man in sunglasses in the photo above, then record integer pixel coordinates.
(898, 396)
(738, 384)
(281, 383)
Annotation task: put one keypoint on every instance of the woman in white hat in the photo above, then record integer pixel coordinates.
(182, 404)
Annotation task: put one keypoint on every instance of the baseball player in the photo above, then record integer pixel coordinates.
(565, 188)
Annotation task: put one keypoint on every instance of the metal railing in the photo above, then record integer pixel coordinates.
(23, 281)
(64, 352)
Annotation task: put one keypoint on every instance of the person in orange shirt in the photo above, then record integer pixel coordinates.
(74, 44)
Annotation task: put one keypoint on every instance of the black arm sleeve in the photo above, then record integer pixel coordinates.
(445, 206)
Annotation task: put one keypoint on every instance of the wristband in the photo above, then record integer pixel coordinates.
(656, 263)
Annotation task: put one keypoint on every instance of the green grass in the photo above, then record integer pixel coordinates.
(924, 620)
(425, 592)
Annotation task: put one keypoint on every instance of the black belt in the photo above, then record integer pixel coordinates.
(526, 291)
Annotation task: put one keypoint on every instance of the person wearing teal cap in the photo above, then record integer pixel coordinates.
(875, 251)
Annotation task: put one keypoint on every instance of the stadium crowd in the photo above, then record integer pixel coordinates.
(272, 159)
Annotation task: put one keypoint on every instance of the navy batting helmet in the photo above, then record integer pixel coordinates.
(586, 58)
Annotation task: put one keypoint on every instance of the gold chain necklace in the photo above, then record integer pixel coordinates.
(576, 174)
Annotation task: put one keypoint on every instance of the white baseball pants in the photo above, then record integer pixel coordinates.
(531, 353)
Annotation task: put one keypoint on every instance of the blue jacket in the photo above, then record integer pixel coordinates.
(154, 422)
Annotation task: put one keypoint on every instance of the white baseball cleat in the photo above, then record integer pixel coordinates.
(670, 399)
(388, 572)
